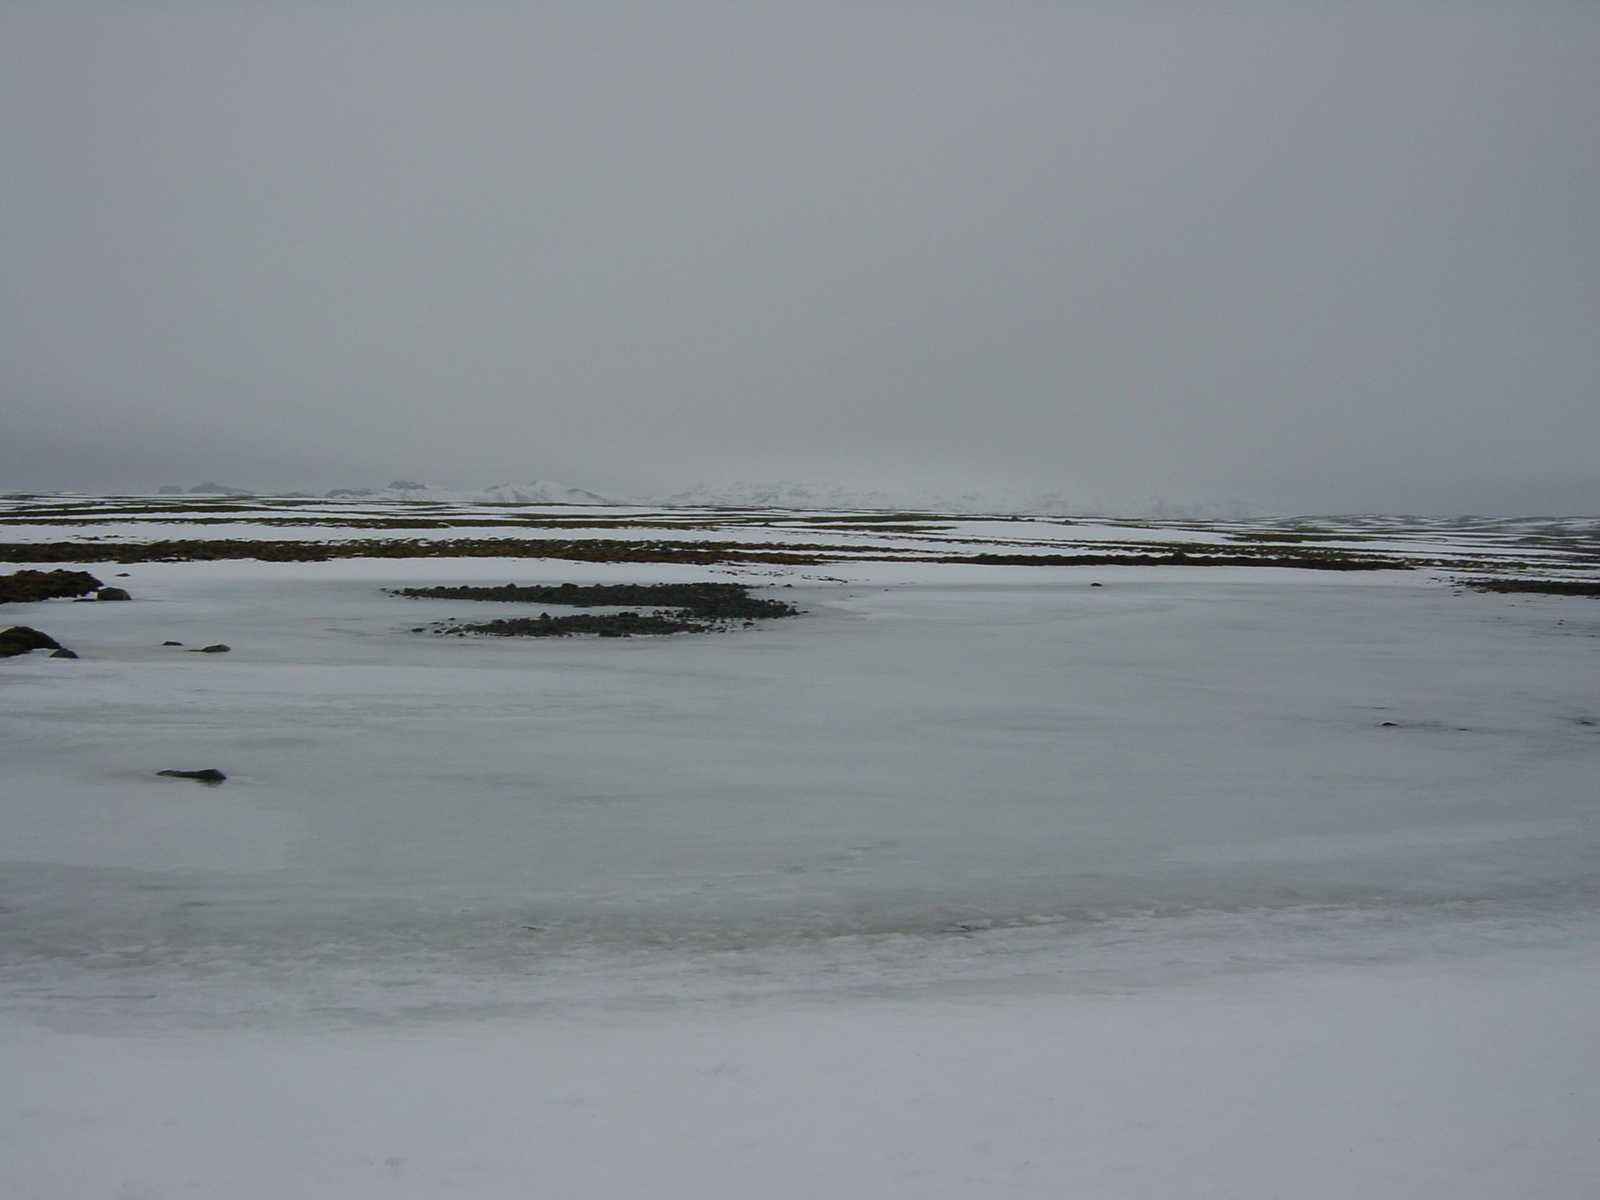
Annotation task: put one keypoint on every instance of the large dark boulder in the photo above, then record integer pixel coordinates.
(112, 593)
(19, 639)
(26, 586)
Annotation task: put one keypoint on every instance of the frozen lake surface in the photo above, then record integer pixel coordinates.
(945, 781)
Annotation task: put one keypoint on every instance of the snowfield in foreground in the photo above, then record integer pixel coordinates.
(974, 880)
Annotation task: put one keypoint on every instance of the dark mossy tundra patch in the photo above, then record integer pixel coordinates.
(623, 624)
(730, 600)
(575, 550)
(681, 608)
(1542, 587)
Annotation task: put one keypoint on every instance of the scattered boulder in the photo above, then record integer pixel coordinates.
(219, 648)
(172, 643)
(63, 653)
(19, 639)
(25, 586)
(112, 593)
(209, 776)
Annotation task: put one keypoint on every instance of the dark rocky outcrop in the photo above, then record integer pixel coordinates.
(207, 775)
(19, 639)
(25, 586)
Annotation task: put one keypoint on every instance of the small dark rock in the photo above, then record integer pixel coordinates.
(19, 639)
(208, 775)
(112, 593)
(1097, 585)
(1389, 725)
(63, 653)
(219, 648)
(172, 643)
(122, 574)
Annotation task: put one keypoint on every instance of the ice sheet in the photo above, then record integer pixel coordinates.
(930, 750)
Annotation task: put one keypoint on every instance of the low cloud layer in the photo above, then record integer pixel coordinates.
(1311, 257)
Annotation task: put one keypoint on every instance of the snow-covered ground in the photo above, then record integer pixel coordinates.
(973, 881)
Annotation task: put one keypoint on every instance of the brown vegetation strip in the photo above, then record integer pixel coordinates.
(1307, 560)
(584, 550)
(722, 600)
(1544, 587)
(642, 551)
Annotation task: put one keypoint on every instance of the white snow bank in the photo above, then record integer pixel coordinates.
(1406, 1083)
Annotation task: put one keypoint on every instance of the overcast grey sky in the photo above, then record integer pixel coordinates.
(1319, 257)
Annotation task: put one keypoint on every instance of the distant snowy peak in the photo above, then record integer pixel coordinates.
(206, 489)
(782, 494)
(541, 491)
(538, 491)
(829, 497)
